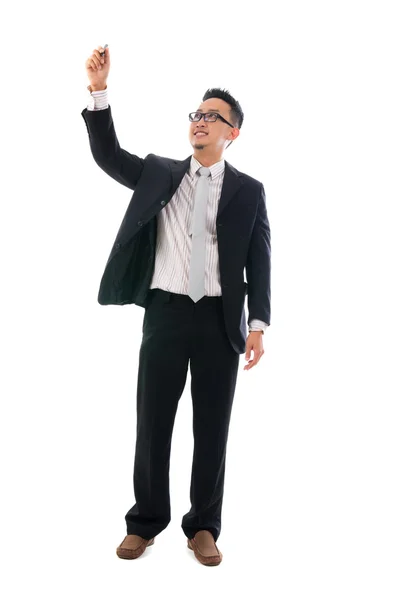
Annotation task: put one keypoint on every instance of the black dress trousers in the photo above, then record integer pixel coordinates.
(177, 330)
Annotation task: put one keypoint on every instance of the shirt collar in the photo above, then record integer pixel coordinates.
(216, 169)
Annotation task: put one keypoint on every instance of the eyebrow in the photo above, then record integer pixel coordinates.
(209, 110)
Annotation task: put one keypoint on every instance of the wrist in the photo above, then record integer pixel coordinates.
(97, 88)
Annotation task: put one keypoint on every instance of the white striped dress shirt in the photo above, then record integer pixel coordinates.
(173, 247)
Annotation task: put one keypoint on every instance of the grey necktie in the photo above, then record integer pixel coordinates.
(198, 232)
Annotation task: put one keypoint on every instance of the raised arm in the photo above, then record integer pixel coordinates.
(119, 164)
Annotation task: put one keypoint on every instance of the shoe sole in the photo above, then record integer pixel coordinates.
(208, 561)
(130, 554)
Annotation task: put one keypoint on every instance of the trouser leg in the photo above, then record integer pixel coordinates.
(163, 364)
(214, 367)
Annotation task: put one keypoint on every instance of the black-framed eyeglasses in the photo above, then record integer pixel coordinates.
(210, 116)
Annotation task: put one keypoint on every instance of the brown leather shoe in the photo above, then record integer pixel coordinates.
(205, 549)
(133, 546)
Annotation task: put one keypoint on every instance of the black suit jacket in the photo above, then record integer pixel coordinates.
(242, 229)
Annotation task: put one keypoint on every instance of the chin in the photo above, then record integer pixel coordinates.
(198, 145)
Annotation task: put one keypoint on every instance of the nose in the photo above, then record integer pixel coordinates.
(198, 125)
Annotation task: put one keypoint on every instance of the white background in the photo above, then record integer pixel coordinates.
(310, 490)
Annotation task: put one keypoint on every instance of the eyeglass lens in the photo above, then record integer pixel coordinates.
(207, 117)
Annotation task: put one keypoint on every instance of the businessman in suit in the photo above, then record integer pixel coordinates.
(190, 229)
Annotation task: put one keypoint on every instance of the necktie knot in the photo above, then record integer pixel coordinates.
(204, 171)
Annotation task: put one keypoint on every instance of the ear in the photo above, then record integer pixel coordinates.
(236, 133)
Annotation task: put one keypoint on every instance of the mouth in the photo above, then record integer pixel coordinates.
(200, 134)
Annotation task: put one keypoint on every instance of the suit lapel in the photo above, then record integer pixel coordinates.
(232, 180)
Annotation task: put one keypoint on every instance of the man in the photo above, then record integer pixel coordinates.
(191, 228)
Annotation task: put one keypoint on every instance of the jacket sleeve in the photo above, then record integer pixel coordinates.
(258, 265)
(122, 166)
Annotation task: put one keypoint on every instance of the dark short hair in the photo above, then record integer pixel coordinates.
(236, 113)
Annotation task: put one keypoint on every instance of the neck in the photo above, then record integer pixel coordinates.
(206, 159)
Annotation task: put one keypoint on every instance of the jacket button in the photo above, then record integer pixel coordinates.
(162, 202)
(117, 245)
(140, 223)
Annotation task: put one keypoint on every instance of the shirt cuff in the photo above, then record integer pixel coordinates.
(257, 325)
(98, 100)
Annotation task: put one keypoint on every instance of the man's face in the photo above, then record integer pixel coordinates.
(216, 133)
